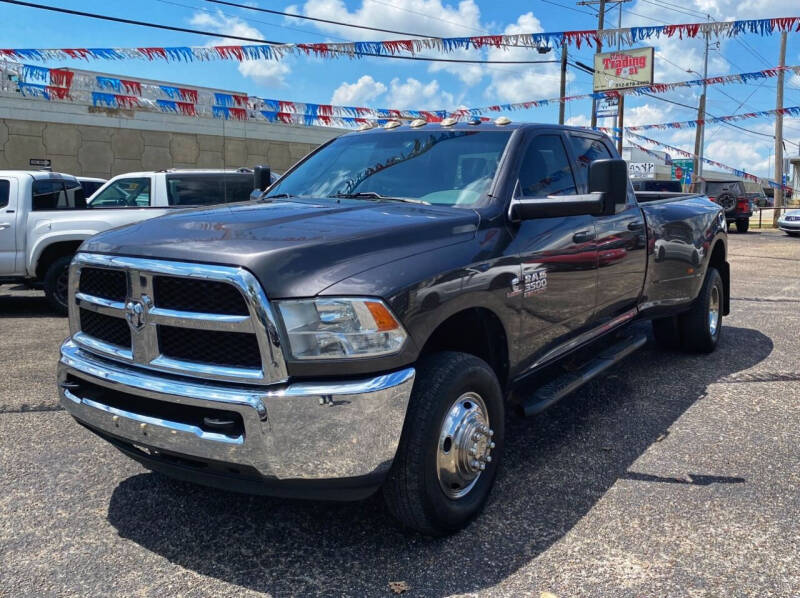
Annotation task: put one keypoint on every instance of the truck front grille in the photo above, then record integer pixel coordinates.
(233, 349)
(205, 321)
(206, 296)
(100, 282)
(108, 329)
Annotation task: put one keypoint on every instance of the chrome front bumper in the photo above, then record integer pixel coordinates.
(303, 431)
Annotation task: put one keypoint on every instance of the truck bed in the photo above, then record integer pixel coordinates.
(651, 196)
(682, 234)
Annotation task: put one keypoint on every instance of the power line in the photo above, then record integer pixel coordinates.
(673, 7)
(320, 20)
(585, 12)
(90, 15)
(315, 19)
(253, 39)
(427, 16)
(250, 20)
(586, 69)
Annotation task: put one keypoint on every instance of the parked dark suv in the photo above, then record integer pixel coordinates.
(731, 195)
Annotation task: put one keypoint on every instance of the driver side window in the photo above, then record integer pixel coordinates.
(124, 193)
(546, 169)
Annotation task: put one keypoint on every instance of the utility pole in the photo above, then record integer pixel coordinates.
(563, 84)
(621, 101)
(700, 133)
(601, 16)
(779, 134)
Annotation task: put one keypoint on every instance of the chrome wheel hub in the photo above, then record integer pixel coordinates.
(713, 311)
(465, 445)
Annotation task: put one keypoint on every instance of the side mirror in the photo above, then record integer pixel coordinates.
(261, 177)
(609, 177)
(556, 206)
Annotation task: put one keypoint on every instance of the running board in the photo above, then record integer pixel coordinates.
(557, 389)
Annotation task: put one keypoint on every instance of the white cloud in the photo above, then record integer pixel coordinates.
(358, 93)
(520, 84)
(423, 17)
(579, 120)
(267, 73)
(414, 94)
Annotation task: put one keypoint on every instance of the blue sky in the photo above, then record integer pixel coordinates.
(402, 84)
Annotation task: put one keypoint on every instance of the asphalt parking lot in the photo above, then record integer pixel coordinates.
(673, 475)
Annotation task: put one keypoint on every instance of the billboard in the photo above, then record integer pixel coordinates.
(623, 69)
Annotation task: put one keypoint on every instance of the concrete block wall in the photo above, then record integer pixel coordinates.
(83, 141)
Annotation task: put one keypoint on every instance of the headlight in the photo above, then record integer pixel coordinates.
(340, 328)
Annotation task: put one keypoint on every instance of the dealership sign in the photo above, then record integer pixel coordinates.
(623, 69)
(608, 108)
(641, 170)
(682, 170)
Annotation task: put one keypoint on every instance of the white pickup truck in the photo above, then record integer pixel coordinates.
(44, 216)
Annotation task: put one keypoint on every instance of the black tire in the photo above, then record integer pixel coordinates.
(793, 234)
(56, 284)
(667, 333)
(695, 328)
(412, 491)
(742, 225)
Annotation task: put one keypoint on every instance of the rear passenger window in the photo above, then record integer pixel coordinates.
(4, 190)
(76, 196)
(545, 169)
(208, 189)
(587, 150)
(49, 194)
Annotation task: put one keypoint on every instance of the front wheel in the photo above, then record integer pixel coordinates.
(742, 225)
(451, 446)
(56, 281)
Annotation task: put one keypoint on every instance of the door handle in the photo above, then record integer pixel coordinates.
(4, 225)
(635, 226)
(583, 236)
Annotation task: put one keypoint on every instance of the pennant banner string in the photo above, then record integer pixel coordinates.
(64, 78)
(627, 36)
(683, 153)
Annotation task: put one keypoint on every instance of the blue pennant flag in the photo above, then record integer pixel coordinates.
(35, 73)
(109, 83)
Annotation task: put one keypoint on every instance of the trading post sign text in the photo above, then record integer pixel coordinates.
(623, 68)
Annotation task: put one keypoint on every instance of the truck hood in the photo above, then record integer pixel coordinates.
(296, 247)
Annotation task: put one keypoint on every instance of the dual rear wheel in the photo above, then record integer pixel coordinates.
(697, 330)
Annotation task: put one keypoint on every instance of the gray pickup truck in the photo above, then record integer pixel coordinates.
(370, 320)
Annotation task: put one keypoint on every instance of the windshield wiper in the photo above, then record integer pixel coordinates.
(278, 196)
(373, 195)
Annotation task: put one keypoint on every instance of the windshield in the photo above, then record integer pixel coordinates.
(453, 168)
(715, 188)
